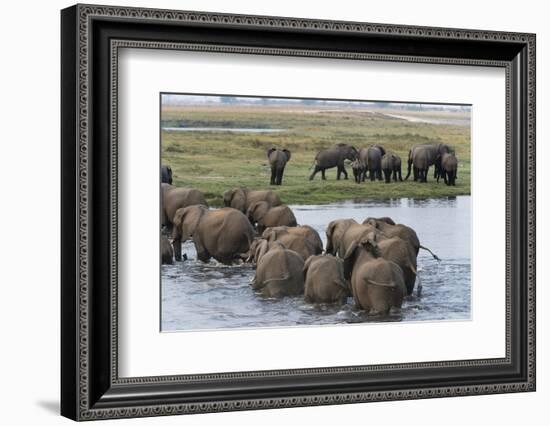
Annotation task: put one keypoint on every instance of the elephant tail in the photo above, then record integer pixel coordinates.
(409, 163)
(432, 253)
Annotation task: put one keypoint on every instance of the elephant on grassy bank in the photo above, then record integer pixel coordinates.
(174, 198)
(166, 251)
(391, 165)
(223, 234)
(265, 216)
(334, 157)
(242, 198)
(359, 168)
(372, 157)
(277, 161)
(166, 174)
(422, 157)
(449, 166)
(324, 280)
(279, 272)
(377, 284)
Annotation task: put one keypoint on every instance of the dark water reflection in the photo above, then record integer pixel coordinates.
(212, 296)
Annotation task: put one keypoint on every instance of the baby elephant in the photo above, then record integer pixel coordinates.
(391, 164)
(359, 168)
(324, 280)
(279, 273)
(266, 216)
(277, 160)
(449, 165)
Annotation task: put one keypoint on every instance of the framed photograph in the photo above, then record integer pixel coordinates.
(263, 212)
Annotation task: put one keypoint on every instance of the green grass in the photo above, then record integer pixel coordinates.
(216, 161)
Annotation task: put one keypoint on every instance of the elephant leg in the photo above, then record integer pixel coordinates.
(371, 175)
(314, 172)
(379, 173)
(280, 176)
(273, 176)
(338, 172)
(415, 174)
(387, 175)
(177, 249)
(323, 174)
(344, 172)
(364, 175)
(202, 253)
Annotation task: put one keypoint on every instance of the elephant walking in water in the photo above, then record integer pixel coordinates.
(262, 214)
(334, 157)
(277, 161)
(242, 198)
(173, 198)
(278, 272)
(377, 284)
(223, 234)
(324, 280)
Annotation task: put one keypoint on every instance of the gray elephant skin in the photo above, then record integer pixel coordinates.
(372, 157)
(166, 174)
(324, 280)
(242, 198)
(277, 161)
(297, 243)
(448, 169)
(279, 273)
(223, 234)
(377, 284)
(334, 157)
(303, 231)
(174, 198)
(166, 251)
(391, 166)
(264, 215)
(422, 157)
(359, 168)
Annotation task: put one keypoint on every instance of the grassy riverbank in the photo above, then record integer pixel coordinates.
(215, 161)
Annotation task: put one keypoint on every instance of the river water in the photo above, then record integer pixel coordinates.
(199, 296)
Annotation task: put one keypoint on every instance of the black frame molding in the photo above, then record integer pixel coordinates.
(91, 37)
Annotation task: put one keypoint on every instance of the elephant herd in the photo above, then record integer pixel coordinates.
(375, 262)
(375, 162)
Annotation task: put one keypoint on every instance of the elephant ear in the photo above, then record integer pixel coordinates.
(269, 151)
(257, 211)
(238, 199)
(349, 259)
(261, 249)
(307, 265)
(177, 220)
(287, 153)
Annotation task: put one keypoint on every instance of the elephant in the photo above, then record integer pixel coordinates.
(174, 198)
(377, 284)
(277, 161)
(402, 254)
(421, 157)
(335, 232)
(262, 214)
(324, 280)
(372, 157)
(279, 273)
(404, 232)
(166, 251)
(298, 243)
(242, 198)
(166, 174)
(334, 157)
(223, 234)
(358, 167)
(305, 231)
(391, 164)
(449, 166)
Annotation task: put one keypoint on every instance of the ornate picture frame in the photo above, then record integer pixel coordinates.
(91, 386)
